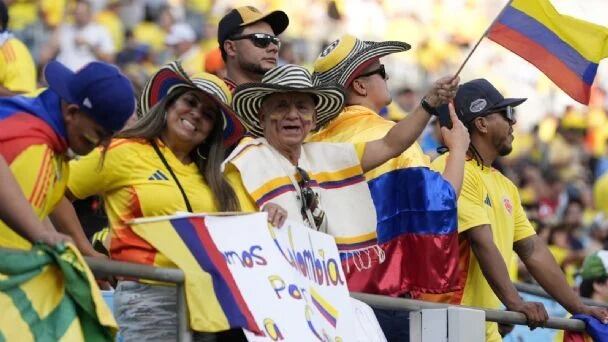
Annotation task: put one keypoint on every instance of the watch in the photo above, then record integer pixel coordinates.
(428, 108)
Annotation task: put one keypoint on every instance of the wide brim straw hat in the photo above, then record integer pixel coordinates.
(345, 58)
(248, 97)
(171, 76)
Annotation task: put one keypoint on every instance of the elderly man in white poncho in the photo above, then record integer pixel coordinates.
(318, 184)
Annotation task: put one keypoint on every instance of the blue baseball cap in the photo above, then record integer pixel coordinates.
(99, 88)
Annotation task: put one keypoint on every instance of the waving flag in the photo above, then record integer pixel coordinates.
(214, 301)
(49, 294)
(564, 48)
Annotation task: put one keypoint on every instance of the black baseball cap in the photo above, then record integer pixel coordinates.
(246, 15)
(479, 97)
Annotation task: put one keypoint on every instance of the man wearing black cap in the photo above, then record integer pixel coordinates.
(492, 222)
(249, 43)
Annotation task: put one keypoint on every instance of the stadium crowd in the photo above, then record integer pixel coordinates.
(557, 155)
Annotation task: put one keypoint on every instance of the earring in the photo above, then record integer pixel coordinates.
(198, 152)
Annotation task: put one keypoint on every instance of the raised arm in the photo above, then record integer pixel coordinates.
(18, 214)
(405, 133)
(541, 264)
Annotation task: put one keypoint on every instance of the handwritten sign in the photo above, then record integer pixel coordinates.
(291, 279)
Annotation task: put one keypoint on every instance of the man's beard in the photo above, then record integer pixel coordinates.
(252, 68)
(505, 150)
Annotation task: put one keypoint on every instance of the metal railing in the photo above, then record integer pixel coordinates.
(538, 291)
(105, 268)
(116, 268)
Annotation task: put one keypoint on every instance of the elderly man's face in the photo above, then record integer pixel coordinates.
(287, 118)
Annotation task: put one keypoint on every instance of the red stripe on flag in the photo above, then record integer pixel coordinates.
(543, 59)
(220, 264)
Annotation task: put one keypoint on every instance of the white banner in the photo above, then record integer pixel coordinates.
(291, 279)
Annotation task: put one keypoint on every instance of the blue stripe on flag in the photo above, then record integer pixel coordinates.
(414, 200)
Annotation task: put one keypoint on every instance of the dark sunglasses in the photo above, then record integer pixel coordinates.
(380, 71)
(261, 40)
(308, 196)
(509, 114)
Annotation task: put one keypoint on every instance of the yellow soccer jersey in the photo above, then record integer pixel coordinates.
(487, 197)
(17, 68)
(135, 183)
(42, 176)
(360, 124)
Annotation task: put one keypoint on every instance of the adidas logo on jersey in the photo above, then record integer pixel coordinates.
(158, 175)
(487, 201)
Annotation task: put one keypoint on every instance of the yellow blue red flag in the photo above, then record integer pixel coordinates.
(213, 298)
(49, 294)
(564, 48)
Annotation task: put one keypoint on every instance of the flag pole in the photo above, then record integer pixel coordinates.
(480, 39)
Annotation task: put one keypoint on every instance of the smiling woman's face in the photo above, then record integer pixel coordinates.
(190, 119)
(287, 118)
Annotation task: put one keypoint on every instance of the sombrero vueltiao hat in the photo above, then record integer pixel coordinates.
(344, 59)
(248, 97)
(171, 76)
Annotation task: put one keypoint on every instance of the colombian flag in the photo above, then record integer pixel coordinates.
(49, 294)
(417, 223)
(214, 300)
(564, 48)
(596, 330)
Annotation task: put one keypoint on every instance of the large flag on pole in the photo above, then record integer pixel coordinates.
(564, 48)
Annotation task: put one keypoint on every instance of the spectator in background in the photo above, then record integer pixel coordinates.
(249, 43)
(595, 277)
(78, 111)
(110, 19)
(17, 68)
(492, 222)
(80, 43)
(407, 99)
(355, 65)
(182, 42)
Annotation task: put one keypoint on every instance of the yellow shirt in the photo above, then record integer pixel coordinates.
(487, 198)
(360, 124)
(22, 13)
(135, 183)
(53, 11)
(17, 68)
(115, 27)
(42, 176)
(600, 194)
(150, 34)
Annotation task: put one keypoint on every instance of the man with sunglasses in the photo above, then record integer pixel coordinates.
(412, 202)
(249, 43)
(492, 222)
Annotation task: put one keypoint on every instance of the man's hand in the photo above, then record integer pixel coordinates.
(597, 312)
(276, 214)
(442, 91)
(457, 138)
(535, 313)
(51, 238)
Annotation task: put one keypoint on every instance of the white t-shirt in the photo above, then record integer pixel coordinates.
(75, 56)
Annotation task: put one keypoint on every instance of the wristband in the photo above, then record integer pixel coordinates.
(428, 108)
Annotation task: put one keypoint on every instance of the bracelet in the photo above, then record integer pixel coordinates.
(428, 108)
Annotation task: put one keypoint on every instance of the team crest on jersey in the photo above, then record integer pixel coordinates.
(508, 205)
(330, 48)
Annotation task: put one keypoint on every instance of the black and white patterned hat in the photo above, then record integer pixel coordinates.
(248, 97)
(342, 60)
